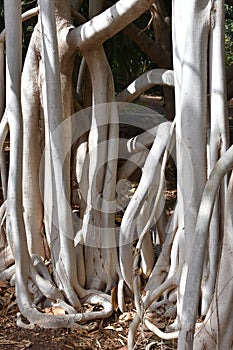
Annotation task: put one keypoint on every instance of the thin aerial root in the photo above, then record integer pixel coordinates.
(136, 287)
(148, 300)
(159, 333)
(132, 332)
(7, 274)
(120, 296)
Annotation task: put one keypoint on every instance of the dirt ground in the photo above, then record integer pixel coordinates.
(106, 334)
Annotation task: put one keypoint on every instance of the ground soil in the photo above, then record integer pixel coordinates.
(106, 334)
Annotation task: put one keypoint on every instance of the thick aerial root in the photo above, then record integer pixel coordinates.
(4, 128)
(147, 80)
(36, 318)
(55, 299)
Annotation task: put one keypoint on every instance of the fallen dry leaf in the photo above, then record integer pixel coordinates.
(3, 284)
(114, 299)
(54, 310)
(116, 329)
(126, 316)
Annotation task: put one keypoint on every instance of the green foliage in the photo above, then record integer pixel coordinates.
(229, 35)
(127, 61)
(28, 26)
(126, 58)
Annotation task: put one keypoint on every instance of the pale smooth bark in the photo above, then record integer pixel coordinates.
(192, 291)
(151, 170)
(32, 149)
(4, 175)
(2, 80)
(218, 143)
(14, 116)
(102, 27)
(25, 16)
(210, 21)
(59, 172)
(216, 331)
(103, 155)
(98, 221)
(100, 265)
(190, 65)
(143, 83)
(2, 107)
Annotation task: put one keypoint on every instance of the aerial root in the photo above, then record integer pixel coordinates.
(120, 296)
(31, 316)
(8, 273)
(54, 299)
(144, 304)
(158, 332)
(24, 323)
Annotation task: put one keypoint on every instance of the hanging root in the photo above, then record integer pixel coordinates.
(148, 300)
